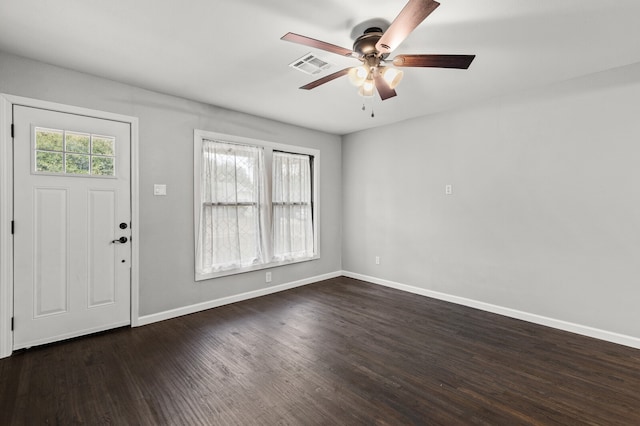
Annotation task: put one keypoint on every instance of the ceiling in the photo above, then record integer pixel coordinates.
(229, 53)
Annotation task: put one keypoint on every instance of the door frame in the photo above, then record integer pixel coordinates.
(6, 206)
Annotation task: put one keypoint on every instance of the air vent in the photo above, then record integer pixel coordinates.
(310, 64)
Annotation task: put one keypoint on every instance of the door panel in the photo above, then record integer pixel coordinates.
(50, 254)
(71, 190)
(102, 273)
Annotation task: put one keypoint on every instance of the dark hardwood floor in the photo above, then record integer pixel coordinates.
(338, 352)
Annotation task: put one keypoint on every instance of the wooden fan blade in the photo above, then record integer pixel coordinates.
(383, 88)
(414, 12)
(434, 61)
(311, 42)
(326, 79)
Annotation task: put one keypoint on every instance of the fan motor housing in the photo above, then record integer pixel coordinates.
(365, 45)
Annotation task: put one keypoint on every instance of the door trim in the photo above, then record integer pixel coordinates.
(6, 206)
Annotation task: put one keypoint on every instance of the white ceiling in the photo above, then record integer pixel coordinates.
(229, 53)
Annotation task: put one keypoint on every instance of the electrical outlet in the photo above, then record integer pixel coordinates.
(267, 277)
(448, 189)
(377, 260)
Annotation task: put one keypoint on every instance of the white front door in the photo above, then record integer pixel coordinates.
(71, 208)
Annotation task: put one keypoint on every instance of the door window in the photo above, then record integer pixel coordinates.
(65, 152)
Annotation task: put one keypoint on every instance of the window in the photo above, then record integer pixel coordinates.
(254, 204)
(73, 153)
(292, 208)
(231, 193)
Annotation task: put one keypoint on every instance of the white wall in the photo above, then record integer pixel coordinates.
(545, 212)
(166, 125)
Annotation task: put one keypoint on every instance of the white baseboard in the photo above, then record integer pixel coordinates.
(174, 313)
(608, 336)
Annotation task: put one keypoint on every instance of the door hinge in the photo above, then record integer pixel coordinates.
(13, 130)
(13, 227)
(11, 323)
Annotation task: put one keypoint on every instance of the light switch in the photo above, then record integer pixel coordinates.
(159, 189)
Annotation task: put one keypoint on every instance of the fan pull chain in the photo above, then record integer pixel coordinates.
(372, 112)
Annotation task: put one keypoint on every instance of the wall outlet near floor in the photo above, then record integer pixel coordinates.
(377, 260)
(267, 277)
(448, 189)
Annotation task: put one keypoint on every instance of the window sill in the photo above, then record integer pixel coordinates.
(212, 275)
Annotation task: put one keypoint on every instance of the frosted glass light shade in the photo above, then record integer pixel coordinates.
(367, 88)
(392, 76)
(358, 75)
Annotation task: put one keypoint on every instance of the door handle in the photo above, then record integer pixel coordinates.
(120, 240)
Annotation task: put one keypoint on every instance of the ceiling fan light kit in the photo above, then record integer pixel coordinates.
(374, 46)
(363, 76)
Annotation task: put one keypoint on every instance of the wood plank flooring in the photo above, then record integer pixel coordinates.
(337, 352)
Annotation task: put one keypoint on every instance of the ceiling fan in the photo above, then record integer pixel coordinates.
(373, 47)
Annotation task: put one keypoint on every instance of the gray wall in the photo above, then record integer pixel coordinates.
(166, 156)
(545, 215)
(545, 212)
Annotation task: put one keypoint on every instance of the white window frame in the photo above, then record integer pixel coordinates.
(269, 147)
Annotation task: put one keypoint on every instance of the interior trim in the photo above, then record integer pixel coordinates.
(6, 238)
(203, 306)
(6, 206)
(584, 330)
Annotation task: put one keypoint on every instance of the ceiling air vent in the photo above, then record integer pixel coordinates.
(310, 64)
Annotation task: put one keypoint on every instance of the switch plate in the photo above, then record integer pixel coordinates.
(377, 260)
(267, 277)
(159, 189)
(448, 189)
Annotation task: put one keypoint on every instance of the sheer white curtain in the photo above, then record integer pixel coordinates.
(233, 201)
(291, 199)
